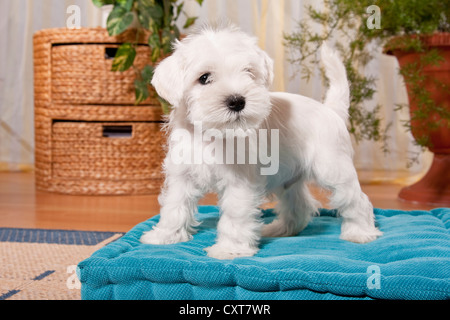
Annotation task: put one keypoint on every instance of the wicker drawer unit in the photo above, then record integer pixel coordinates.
(81, 74)
(90, 137)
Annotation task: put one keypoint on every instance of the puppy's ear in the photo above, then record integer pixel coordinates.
(168, 79)
(266, 67)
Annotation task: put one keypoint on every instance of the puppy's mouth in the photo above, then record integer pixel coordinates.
(236, 119)
(234, 116)
(231, 121)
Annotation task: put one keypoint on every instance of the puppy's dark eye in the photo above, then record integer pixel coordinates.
(204, 79)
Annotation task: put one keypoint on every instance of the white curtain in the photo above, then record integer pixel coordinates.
(265, 19)
(19, 20)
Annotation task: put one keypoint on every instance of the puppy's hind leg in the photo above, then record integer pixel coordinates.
(294, 210)
(353, 205)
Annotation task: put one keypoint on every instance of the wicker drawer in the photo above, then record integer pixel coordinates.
(91, 138)
(81, 74)
(107, 151)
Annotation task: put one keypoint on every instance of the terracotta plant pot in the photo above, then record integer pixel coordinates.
(434, 187)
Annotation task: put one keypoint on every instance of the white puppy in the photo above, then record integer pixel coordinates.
(220, 79)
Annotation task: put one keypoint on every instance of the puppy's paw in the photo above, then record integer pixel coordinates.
(165, 236)
(355, 233)
(222, 252)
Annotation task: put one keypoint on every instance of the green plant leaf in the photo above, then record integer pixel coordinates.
(147, 73)
(119, 20)
(179, 9)
(151, 9)
(101, 3)
(143, 15)
(156, 12)
(200, 2)
(154, 41)
(164, 105)
(126, 4)
(141, 91)
(148, 3)
(176, 32)
(124, 57)
(189, 22)
(156, 53)
(167, 38)
(150, 15)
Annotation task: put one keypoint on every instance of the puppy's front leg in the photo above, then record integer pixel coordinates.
(239, 227)
(178, 202)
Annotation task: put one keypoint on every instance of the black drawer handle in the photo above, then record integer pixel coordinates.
(110, 53)
(117, 131)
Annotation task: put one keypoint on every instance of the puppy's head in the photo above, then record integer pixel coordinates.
(218, 77)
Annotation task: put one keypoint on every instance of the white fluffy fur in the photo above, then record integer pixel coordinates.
(314, 146)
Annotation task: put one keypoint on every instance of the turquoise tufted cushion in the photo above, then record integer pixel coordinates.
(410, 261)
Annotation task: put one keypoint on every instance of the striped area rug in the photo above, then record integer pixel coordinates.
(37, 264)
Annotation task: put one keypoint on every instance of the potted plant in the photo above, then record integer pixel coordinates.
(157, 20)
(417, 33)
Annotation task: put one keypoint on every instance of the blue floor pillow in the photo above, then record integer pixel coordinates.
(410, 261)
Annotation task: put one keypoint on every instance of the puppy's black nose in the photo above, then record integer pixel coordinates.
(235, 103)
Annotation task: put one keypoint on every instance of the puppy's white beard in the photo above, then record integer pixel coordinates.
(228, 120)
(221, 118)
(237, 121)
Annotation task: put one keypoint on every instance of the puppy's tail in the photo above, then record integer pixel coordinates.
(338, 95)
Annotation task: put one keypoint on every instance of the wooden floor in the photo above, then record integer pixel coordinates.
(21, 206)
